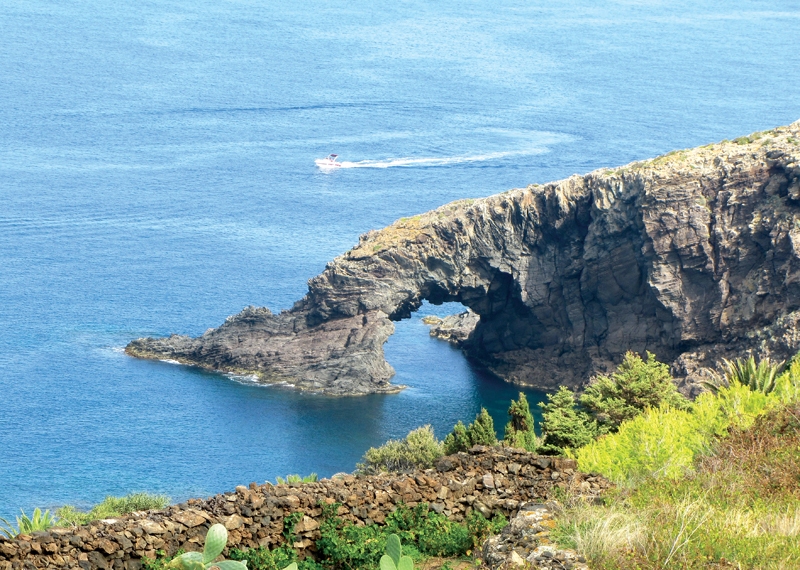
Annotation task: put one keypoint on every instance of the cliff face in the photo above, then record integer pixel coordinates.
(693, 256)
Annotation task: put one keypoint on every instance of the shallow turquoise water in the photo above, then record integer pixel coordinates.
(156, 175)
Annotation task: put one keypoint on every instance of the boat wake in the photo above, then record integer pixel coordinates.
(437, 161)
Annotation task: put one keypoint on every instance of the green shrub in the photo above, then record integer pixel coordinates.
(111, 507)
(661, 442)
(479, 432)
(343, 545)
(519, 430)
(563, 426)
(740, 406)
(787, 386)
(635, 386)
(418, 450)
(457, 440)
(422, 531)
(279, 558)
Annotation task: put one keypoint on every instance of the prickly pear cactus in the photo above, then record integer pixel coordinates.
(394, 559)
(216, 539)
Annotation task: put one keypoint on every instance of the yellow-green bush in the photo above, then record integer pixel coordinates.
(660, 442)
(665, 442)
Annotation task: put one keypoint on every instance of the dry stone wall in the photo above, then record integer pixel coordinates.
(489, 480)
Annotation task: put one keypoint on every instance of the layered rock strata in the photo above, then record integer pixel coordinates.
(491, 480)
(692, 256)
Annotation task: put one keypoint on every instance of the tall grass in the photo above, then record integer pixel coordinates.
(111, 507)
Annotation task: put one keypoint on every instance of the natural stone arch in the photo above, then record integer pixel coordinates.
(691, 257)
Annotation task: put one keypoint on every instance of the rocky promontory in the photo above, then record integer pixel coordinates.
(690, 256)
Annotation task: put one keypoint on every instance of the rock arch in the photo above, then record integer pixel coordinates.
(690, 256)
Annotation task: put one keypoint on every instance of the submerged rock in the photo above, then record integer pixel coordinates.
(692, 256)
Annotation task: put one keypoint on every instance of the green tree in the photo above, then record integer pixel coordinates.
(633, 387)
(479, 432)
(563, 425)
(457, 440)
(519, 430)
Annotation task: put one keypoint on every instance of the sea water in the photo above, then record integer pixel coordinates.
(157, 175)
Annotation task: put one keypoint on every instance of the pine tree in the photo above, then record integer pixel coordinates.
(633, 387)
(479, 432)
(563, 426)
(457, 440)
(519, 430)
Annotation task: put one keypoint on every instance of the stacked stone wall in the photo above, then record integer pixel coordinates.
(489, 480)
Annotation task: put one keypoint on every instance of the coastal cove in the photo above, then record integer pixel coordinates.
(157, 175)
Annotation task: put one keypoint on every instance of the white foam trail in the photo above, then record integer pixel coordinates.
(442, 161)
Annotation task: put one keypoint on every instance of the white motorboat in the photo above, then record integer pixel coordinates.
(328, 162)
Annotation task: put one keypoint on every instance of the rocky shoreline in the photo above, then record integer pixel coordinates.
(692, 256)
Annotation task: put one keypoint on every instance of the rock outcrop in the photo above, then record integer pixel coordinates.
(525, 542)
(692, 256)
(455, 329)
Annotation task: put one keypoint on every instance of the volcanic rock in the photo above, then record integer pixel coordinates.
(690, 256)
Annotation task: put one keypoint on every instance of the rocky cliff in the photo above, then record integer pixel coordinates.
(694, 256)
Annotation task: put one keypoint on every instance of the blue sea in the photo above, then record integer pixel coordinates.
(157, 175)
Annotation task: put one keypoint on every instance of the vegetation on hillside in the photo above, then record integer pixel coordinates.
(737, 505)
(713, 483)
(345, 546)
(709, 483)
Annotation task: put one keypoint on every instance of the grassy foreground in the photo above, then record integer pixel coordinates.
(738, 506)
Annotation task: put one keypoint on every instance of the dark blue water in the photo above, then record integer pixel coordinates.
(156, 175)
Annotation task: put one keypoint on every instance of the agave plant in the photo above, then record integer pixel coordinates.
(313, 478)
(6, 529)
(39, 521)
(759, 377)
(394, 559)
(26, 525)
(216, 539)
